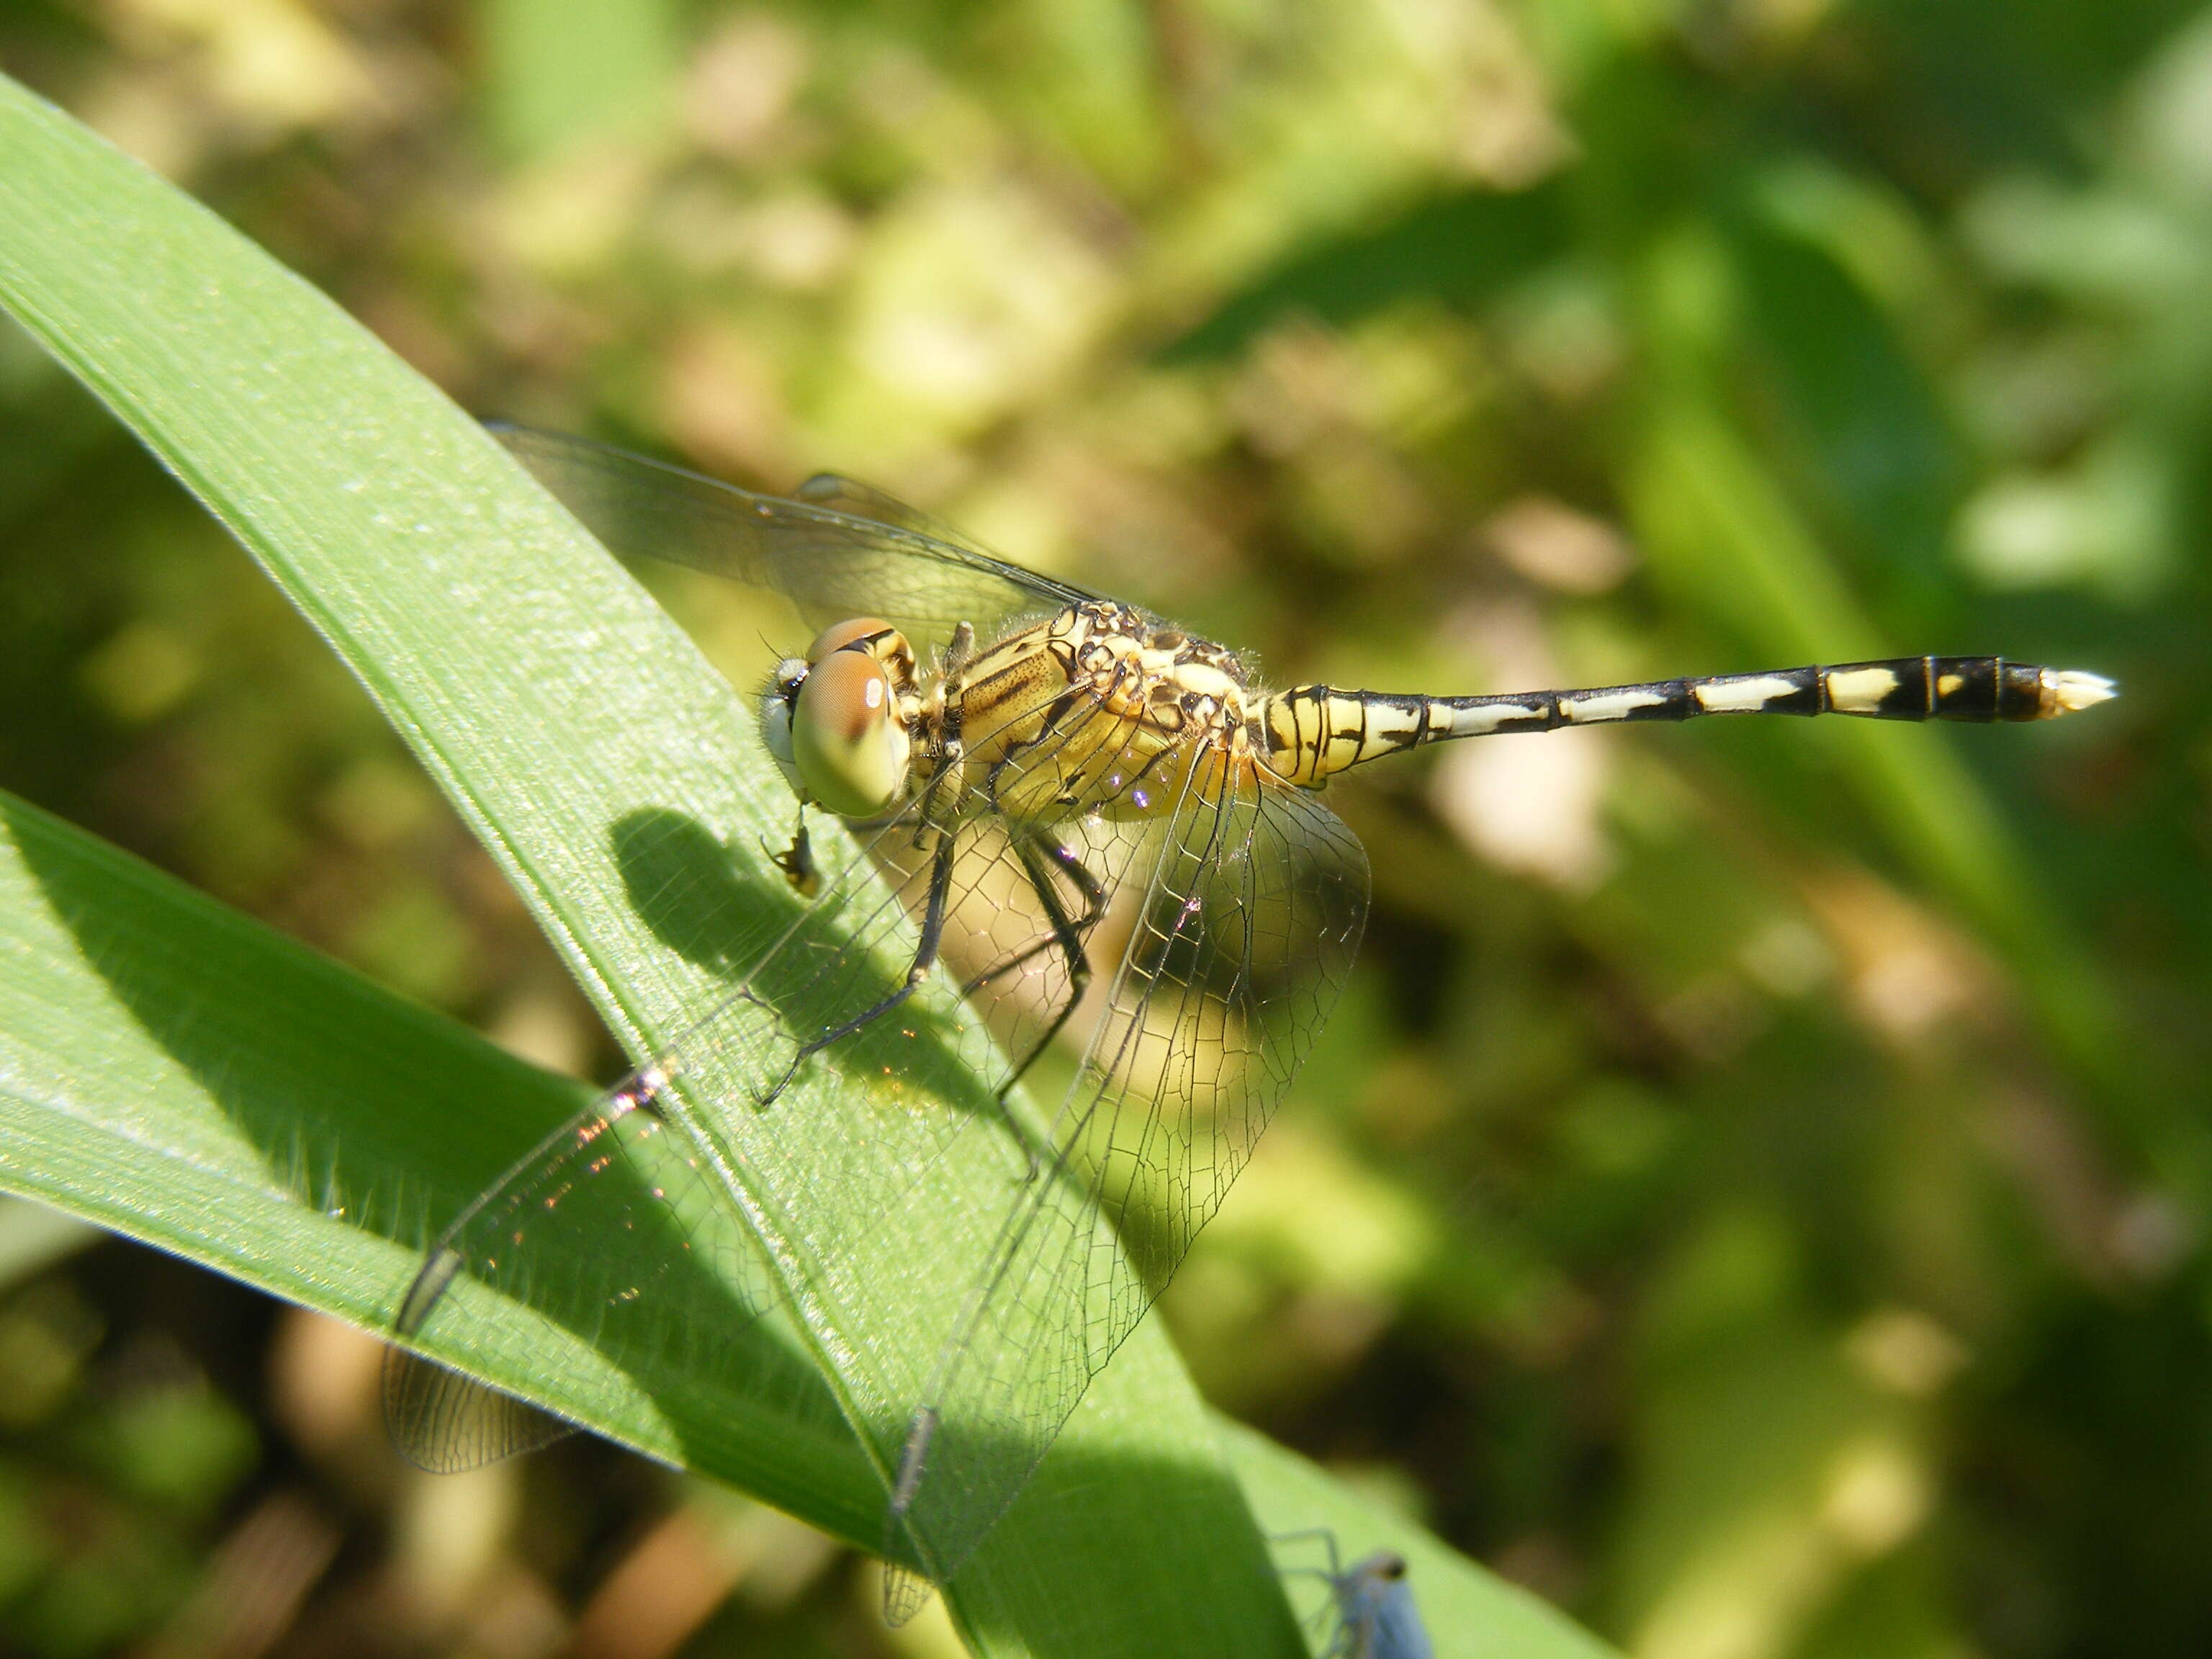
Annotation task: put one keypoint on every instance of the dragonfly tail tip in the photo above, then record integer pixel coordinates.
(2070, 691)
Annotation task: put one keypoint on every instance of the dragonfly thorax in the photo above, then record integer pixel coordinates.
(1181, 686)
(1099, 709)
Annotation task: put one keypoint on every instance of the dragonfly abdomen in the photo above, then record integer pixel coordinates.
(1312, 731)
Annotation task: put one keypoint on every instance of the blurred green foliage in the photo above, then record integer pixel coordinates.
(1755, 1189)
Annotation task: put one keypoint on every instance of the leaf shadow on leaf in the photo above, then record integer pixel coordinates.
(1087, 1484)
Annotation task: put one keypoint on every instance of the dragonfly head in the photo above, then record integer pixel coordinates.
(833, 719)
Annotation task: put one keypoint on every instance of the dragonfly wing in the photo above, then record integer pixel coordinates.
(609, 1227)
(853, 552)
(1253, 908)
(864, 501)
(445, 1423)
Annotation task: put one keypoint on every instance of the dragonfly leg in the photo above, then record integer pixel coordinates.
(958, 648)
(1068, 933)
(925, 958)
(941, 781)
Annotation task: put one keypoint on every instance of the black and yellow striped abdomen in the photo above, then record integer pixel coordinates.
(1312, 731)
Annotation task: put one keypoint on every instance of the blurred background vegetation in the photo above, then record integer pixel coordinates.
(1755, 1190)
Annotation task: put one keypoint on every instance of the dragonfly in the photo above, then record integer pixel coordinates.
(1101, 831)
(1370, 1603)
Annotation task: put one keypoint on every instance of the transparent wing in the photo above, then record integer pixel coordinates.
(609, 1227)
(639, 1226)
(844, 550)
(1252, 909)
(863, 501)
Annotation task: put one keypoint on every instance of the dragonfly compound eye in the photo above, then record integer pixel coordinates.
(846, 738)
(872, 634)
